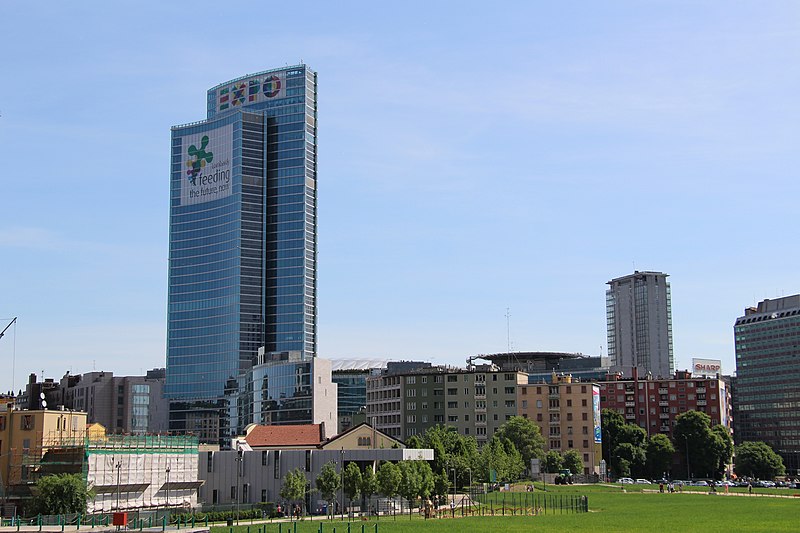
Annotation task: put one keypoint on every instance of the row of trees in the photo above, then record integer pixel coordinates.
(708, 450)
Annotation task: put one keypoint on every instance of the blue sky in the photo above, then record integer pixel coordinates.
(473, 158)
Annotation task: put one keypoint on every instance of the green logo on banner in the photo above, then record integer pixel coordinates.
(201, 157)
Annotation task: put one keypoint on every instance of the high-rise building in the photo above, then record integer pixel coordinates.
(242, 243)
(767, 391)
(639, 324)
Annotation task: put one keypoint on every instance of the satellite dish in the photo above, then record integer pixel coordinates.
(41, 396)
(44, 404)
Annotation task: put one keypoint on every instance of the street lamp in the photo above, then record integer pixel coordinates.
(238, 475)
(686, 438)
(341, 480)
(167, 488)
(470, 485)
(118, 466)
(453, 505)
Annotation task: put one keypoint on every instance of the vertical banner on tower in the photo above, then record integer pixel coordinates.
(598, 432)
(207, 163)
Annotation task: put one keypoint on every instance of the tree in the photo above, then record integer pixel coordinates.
(659, 451)
(757, 459)
(633, 455)
(369, 483)
(450, 450)
(572, 461)
(632, 434)
(525, 435)
(611, 423)
(294, 486)
(389, 478)
(724, 447)
(328, 482)
(60, 494)
(417, 480)
(352, 481)
(553, 462)
(693, 430)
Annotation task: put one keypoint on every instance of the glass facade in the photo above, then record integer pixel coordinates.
(242, 270)
(767, 384)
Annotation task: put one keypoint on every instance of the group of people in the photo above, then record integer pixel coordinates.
(670, 487)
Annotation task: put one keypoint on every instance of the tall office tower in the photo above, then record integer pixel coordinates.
(639, 324)
(242, 244)
(767, 391)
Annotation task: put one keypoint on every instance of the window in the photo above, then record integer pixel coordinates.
(538, 404)
(569, 403)
(452, 418)
(365, 441)
(509, 390)
(263, 495)
(586, 444)
(423, 379)
(569, 444)
(210, 462)
(411, 393)
(233, 492)
(583, 403)
(584, 416)
(214, 496)
(452, 392)
(26, 422)
(411, 380)
(411, 419)
(452, 405)
(2, 423)
(452, 379)
(308, 463)
(277, 465)
(264, 458)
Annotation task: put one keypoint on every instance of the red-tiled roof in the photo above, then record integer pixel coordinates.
(300, 435)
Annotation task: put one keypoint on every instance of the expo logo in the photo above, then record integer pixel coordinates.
(201, 157)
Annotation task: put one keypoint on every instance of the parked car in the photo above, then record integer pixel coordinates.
(641, 481)
(626, 480)
(700, 483)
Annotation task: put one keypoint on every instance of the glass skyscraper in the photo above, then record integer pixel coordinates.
(242, 244)
(767, 383)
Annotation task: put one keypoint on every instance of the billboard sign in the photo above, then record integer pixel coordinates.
(598, 432)
(251, 91)
(706, 367)
(207, 163)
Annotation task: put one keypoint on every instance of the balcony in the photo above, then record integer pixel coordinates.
(664, 429)
(701, 390)
(701, 402)
(663, 415)
(663, 391)
(630, 416)
(480, 396)
(663, 404)
(630, 404)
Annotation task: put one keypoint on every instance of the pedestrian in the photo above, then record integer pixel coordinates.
(750, 488)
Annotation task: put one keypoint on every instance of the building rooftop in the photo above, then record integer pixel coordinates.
(289, 435)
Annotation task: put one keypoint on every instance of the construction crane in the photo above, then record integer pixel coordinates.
(8, 326)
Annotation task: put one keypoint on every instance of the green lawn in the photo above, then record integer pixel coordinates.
(610, 510)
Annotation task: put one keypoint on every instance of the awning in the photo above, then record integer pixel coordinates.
(122, 487)
(179, 485)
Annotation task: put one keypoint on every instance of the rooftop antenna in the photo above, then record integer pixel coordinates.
(13, 348)
(508, 330)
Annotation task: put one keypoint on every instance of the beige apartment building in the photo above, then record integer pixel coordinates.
(568, 414)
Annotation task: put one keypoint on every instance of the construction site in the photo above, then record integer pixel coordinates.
(143, 472)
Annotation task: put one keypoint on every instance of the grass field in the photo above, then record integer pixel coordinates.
(610, 510)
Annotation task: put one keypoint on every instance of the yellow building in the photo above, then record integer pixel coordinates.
(37, 443)
(568, 414)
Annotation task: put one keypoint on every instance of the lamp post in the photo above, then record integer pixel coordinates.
(686, 438)
(167, 488)
(470, 485)
(454, 487)
(341, 480)
(238, 475)
(118, 466)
